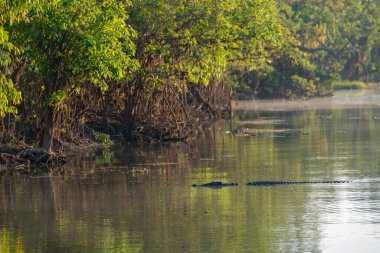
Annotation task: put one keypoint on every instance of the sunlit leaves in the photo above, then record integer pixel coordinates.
(80, 41)
(196, 40)
(9, 96)
(57, 100)
(10, 12)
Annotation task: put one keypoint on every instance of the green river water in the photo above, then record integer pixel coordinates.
(138, 198)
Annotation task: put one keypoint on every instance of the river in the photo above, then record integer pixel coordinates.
(138, 198)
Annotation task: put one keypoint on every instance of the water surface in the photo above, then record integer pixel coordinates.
(138, 198)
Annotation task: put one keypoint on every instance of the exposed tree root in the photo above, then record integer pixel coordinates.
(28, 160)
(40, 156)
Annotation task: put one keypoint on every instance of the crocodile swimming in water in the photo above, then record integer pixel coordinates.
(214, 184)
(269, 183)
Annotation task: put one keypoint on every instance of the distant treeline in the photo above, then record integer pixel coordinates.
(324, 41)
(152, 69)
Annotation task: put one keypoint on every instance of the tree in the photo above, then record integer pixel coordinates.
(71, 44)
(10, 12)
(182, 43)
(339, 36)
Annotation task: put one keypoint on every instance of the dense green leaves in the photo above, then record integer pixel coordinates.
(79, 41)
(324, 40)
(67, 44)
(10, 12)
(340, 36)
(195, 40)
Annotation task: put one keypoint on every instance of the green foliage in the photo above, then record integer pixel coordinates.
(10, 12)
(339, 36)
(9, 96)
(57, 99)
(102, 137)
(303, 85)
(195, 41)
(288, 73)
(77, 42)
(71, 44)
(63, 56)
(353, 85)
(323, 41)
(184, 44)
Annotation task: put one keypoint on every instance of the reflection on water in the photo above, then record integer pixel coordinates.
(138, 198)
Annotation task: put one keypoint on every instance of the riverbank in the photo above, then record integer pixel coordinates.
(353, 85)
(23, 158)
(19, 158)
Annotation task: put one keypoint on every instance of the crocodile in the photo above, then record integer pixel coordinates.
(218, 184)
(214, 184)
(269, 183)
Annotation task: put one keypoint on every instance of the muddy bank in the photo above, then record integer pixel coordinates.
(19, 158)
(23, 159)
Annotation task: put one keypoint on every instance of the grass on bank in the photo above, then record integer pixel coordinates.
(353, 85)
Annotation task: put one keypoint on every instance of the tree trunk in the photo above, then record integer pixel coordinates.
(48, 123)
(20, 71)
(48, 132)
(133, 94)
(129, 117)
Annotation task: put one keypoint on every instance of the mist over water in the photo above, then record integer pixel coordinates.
(138, 198)
(341, 99)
